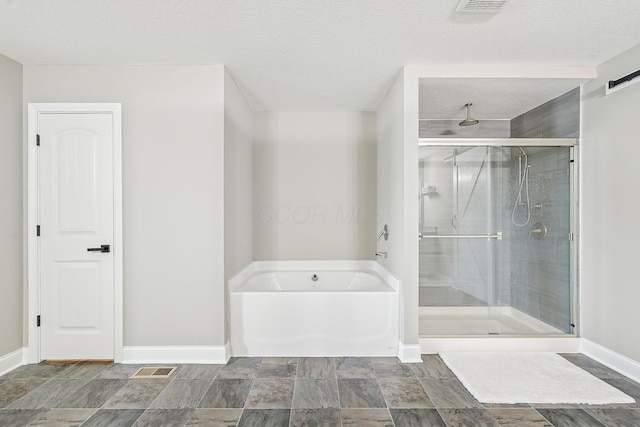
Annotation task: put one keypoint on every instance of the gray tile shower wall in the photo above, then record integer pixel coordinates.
(558, 118)
(540, 268)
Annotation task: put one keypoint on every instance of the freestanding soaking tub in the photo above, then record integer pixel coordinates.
(314, 308)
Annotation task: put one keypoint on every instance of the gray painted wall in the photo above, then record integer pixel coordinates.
(238, 187)
(173, 198)
(610, 291)
(238, 175)
(11, 294)
(397, 187)
(314, 194)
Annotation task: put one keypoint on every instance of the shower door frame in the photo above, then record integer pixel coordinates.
(572, 144)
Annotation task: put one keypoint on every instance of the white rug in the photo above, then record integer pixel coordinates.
(529, 378)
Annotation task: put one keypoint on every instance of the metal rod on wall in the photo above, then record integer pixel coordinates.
(627, 78)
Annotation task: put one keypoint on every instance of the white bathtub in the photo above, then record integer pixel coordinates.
(277, 309)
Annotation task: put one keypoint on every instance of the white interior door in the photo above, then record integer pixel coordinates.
(76, 217)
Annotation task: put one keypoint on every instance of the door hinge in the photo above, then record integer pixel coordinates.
(38, 320)
(38, 231)
(38, 140)
(571, 237)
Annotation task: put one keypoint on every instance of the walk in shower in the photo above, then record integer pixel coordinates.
(496, 242)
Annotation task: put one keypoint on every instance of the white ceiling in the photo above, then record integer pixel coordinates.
(492, 99)
(317, 54)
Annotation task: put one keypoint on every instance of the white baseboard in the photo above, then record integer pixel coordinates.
(13, 360)
(176, 354)
(610, 358)
(409, 353)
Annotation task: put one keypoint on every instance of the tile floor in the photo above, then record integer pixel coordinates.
(285, 392)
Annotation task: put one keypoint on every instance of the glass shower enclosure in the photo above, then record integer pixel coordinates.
(496, 242)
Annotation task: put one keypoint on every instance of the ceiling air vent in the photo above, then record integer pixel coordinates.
(481, 6)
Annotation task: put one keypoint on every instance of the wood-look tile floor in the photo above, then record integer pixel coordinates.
(287, 392)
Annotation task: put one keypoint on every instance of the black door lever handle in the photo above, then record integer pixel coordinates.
(103, 249)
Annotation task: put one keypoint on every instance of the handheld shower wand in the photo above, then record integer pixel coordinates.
(523, 184)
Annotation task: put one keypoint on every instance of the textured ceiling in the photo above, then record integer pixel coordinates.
(492, 99)
(315, 54)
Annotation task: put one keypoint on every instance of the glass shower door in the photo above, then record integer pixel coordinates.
(496, 247)
(460, 241)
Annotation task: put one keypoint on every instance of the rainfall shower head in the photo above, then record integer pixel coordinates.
(468, 121)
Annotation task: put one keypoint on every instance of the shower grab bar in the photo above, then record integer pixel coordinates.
(497, 236)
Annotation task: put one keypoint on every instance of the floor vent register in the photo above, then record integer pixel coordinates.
(154, 372)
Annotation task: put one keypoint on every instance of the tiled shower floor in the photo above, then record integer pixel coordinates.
(283, 392)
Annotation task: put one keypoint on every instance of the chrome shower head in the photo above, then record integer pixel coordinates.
(468, 121)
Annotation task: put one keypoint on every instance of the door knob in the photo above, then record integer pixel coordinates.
(103, 249)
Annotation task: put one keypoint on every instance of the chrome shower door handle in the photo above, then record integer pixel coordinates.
(497, 236)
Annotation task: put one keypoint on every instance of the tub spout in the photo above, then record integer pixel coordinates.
(380, 255)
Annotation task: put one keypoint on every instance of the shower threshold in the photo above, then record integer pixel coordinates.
(444, 329)
(481, 321)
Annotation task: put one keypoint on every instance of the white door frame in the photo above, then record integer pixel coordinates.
(33, 267)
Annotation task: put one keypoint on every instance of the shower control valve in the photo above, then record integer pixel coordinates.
(384, 233)
(539, 231)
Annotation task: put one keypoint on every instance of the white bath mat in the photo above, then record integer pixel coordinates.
(529, 378)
